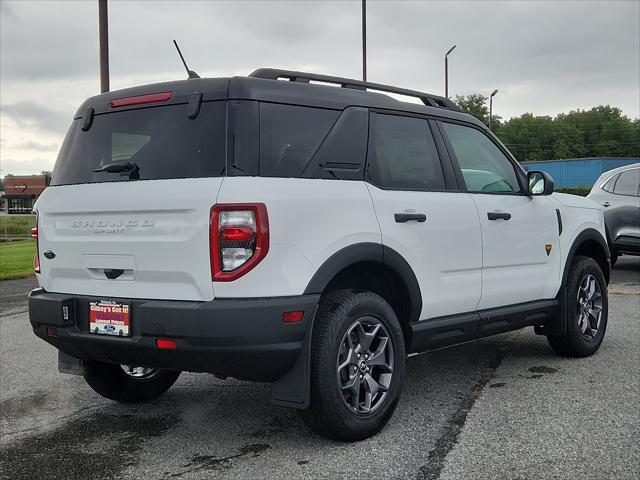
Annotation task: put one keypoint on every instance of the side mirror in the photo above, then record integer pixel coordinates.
(540, 183)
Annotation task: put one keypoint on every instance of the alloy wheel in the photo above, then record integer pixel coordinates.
(139, 372)
(365, 365)
(589, 308)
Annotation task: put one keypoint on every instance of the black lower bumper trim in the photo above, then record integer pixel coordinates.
(241, 338)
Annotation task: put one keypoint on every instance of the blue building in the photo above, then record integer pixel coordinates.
(578, 171)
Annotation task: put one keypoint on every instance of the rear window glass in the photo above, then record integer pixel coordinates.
(162, 141)
(290, 136)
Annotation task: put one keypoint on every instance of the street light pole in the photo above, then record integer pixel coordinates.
(364, 40)
(104, 45)
(446, 71)
(491, 106)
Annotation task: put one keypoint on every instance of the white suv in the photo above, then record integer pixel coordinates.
(300, 234)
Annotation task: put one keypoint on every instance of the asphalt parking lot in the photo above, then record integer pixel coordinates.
(505, 407)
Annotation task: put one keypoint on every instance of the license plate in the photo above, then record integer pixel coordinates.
(109, 318)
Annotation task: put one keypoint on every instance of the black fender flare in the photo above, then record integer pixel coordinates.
(585, 235)
(369, 252)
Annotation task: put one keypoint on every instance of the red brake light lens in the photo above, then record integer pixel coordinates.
(34, 234)
(237, 234)
(239, 239)
(141, 99)
(165, 344)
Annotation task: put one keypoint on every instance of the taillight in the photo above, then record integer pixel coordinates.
(239, 239)
(34, 234)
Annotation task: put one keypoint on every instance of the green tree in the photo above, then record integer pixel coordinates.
(477, 105)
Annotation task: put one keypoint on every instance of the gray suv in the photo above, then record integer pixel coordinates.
(618, 190)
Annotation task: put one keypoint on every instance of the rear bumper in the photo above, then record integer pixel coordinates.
(241, 338)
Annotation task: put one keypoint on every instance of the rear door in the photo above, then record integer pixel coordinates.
(520, 235)
(143, 232)
(436, 230)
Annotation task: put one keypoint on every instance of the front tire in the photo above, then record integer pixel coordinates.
(127, 384)
(585, 308)
(357, 365)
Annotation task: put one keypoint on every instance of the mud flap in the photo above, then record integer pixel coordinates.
(292, 389)
(557, 325)
(70, 365)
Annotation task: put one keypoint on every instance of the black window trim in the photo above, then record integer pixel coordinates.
(615, 183)
(519, 172)
(451, 185)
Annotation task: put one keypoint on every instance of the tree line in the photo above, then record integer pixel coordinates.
(601, 131)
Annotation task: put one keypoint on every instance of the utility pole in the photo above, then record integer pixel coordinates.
(103, 22)
(364, 40)
(491, 106)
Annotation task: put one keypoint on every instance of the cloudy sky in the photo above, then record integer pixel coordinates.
(544, 56)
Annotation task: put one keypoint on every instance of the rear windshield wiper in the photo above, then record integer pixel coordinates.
(122, 168)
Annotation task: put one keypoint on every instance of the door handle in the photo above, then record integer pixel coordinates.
(605, 204)
(498, 215)
(409, 217)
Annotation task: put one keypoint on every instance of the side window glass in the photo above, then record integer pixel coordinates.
(610, 183)
(289, 136)
(403, 155)
(484, 167)
(627, 183)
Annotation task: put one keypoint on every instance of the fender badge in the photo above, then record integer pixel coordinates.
(50, 254)
(548, 248)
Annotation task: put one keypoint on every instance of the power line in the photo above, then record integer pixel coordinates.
(576, 130)
(555, 144)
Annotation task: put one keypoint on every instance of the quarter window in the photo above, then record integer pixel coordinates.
(290, 136)
(484, 167)
(403, 155)
(627, 183)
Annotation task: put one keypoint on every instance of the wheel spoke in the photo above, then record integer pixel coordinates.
(582, 321)
(349, 360)
(592, 288)
(351, 383)
(366, 338)
(378, 357)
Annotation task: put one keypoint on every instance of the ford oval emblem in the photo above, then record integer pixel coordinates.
(110, 328)
(50, 254)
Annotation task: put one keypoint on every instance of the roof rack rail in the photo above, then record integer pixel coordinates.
(303, 77)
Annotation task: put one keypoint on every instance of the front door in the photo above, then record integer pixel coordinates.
(520, 236)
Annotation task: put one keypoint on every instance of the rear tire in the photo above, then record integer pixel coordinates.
(357, 365)
(584, 307)
(111, 381)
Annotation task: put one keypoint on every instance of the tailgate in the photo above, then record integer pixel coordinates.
(145, 239)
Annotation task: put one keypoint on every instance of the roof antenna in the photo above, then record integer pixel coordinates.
(191, 73)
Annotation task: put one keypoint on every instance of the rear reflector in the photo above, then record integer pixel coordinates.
(34, 235)
(141, 99)
(292, 317)
(52, 332)
(166, 344)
